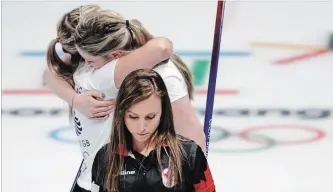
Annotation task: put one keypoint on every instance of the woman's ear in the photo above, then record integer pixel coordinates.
(115, 54)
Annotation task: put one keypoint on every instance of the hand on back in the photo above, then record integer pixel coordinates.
(93, 105)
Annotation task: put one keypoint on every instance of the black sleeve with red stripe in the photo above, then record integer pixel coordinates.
(202, 178)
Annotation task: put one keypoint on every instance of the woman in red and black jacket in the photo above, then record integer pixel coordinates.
(145, 153)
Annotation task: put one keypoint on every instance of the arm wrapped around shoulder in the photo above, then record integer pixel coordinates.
(165, 46)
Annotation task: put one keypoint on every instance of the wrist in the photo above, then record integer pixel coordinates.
(73, 100)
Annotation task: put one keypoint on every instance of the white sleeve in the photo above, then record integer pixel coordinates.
(176, 87)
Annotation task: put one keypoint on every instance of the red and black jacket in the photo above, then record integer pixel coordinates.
(146, 177)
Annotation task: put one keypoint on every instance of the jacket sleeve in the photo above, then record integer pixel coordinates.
(202, 178)
(98, 172)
